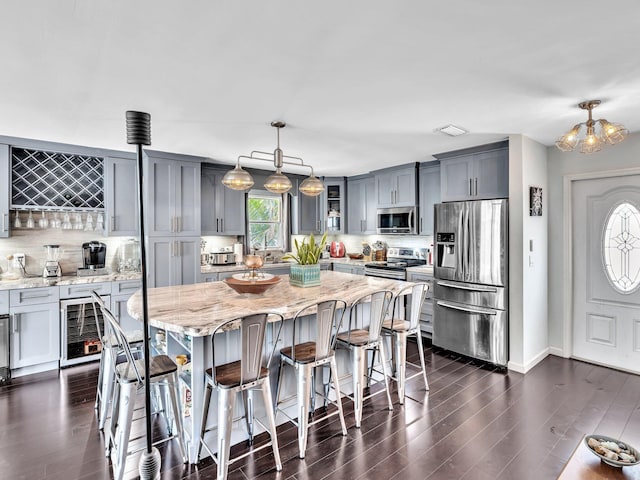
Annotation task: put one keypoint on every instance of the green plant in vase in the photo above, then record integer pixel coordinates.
(306, 271)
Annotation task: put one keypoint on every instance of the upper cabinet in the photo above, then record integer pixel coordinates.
(396, 187)
(335, 207)
(361, 205)
(222, 209)
(173, 194)
(5, 175)
(429, 188)
(308, 212)
(477, 173)
(121, 197)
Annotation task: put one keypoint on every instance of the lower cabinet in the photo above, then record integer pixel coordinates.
(35, 334)
(348, 268)
(426, 316)
(122, 291)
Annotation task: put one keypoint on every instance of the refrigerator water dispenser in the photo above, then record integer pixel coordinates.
(446, 250)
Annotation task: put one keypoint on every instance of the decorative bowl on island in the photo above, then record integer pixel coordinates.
(611, 451)
(255, 285)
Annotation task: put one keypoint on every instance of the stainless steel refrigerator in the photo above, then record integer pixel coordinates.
(471, 279)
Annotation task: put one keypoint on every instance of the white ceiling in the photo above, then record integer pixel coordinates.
(361, 84)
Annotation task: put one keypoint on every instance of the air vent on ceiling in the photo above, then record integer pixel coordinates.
(452, 130)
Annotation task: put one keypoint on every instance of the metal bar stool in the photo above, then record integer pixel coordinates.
(106, 370)
(305, 357)
(130, 379)
(400, 329)
(360, 339)
(249, 373)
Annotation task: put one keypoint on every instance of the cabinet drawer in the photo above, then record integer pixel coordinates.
(84, 289)
(4, 302)
(124, 287)
(33, 296)
(208, 277)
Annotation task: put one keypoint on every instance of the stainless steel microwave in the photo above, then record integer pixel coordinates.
(401, 220)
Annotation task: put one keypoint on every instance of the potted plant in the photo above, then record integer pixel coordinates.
(306, 271)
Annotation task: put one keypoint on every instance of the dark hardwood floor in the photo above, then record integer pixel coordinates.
(474, 424)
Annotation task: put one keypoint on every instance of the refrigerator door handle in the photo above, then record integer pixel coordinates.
(460, 244)
(478, 310)
(472, 288)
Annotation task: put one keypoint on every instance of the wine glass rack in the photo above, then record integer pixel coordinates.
(53, 180)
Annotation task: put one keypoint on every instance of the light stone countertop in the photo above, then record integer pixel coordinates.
(198, 309)
(35, 282)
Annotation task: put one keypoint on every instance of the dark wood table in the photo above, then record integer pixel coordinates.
(584, 465)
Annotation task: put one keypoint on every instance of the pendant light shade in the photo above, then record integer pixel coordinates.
(311, 186)
(593, 140)
(238, 179)
(277, 182)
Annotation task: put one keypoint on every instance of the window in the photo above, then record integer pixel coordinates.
(264, 211)
(621, 248)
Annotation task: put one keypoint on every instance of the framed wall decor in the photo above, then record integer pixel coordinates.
(535, 201)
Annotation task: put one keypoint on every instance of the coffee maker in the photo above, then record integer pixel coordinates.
(94, 254)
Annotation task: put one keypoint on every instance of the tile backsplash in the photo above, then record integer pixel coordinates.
(31, 242)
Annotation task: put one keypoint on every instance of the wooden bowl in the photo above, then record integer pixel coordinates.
(355, 256)
(256, 286)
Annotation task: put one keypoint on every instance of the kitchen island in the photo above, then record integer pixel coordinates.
(190, 313)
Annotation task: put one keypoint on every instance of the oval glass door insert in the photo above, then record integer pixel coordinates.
(621, 248)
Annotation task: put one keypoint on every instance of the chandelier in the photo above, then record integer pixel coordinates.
(239, 179)
(593, 140)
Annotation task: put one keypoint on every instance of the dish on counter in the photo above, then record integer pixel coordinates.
(355, 256)
(611, 451)
(255, 286)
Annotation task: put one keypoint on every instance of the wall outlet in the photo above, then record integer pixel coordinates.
(19, 260)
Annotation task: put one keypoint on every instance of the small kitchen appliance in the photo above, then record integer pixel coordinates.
(337, 250)
(94, 254)
(129, 260)
(51, 265)
(222, 258)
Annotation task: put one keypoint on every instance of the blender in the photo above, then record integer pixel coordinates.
(51, 265)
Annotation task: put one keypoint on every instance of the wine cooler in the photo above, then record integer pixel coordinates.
(80, 331)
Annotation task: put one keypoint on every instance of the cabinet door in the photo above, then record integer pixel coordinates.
(309, 219)
(121, 197)
(491, 170)
(405, 187)
(456, 178)
(119, 310)
(5, 190)
(35, 334)
(187, 198)
(429, 196)
(334, 211)
(233, 211)
(356, 201)
(370, 206)
(209, 221)
(160, 207)
(160, 259)
(187, 268)
(385, 189)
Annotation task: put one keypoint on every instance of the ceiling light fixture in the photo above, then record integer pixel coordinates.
(239, 179)
(592, 142)
(452, 130)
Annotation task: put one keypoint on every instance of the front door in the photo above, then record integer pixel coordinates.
(606, 271)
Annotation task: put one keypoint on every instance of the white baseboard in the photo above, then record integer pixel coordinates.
(520, 368)
(558, 352)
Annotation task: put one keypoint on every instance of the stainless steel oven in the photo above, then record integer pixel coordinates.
(400, 220)
(80, 334)
(398, 259)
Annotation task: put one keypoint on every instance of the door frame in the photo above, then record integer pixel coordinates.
(567, 250)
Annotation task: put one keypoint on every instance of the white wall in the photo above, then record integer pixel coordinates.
(611, 157)
(528, 329)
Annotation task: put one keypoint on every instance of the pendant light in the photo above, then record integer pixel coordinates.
(277, 182)
(593, 140)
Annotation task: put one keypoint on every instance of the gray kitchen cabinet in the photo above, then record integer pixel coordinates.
(5, 184)
(426, 315)
(396, 187)
(348, 268)
(121, 197)
(222, 209)
(173, 261)
(208, 277)
(4, 302)
(478, 173)
(361, 205)
(121, 291)
(173, 195)
(308, 211)
(335, 212)
(35, 327)
(429, 195)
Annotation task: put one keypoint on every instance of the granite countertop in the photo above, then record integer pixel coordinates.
(35, 282)
(240, 266)
(198, 309)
